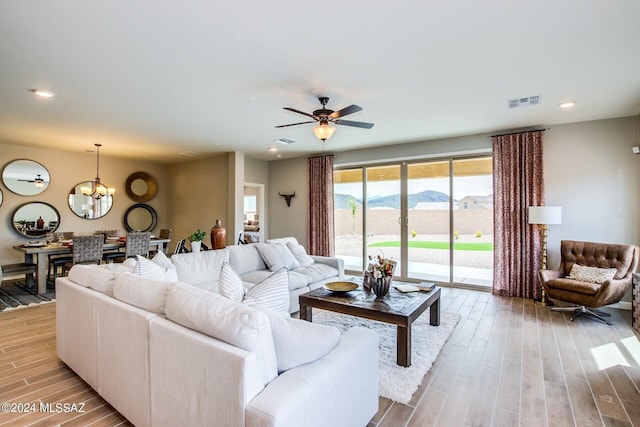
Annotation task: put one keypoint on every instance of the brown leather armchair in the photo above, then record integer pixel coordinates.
(588, 295)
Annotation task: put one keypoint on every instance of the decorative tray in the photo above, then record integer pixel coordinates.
(340, 287)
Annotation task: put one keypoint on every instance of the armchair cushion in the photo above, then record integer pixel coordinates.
(591, 274)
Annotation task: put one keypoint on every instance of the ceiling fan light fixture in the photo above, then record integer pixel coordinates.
(324, 131)
(38, 182)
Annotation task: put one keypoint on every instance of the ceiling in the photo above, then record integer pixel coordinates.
(152, 79)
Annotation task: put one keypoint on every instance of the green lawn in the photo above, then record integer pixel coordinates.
(460, 246)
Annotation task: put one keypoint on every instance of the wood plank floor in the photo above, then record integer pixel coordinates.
(509, 362)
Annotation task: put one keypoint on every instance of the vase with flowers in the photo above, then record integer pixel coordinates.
(379, 274)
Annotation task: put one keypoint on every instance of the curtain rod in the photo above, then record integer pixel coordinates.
(517, 133)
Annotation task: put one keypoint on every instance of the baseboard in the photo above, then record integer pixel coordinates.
(621, 305)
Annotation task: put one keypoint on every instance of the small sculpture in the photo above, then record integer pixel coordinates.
(288, 197)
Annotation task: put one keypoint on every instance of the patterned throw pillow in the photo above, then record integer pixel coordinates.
(149, 269)
(272, 293)
(591, 274)
(230, 283)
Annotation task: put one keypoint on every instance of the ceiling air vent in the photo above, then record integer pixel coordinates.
(524, 102)
(285, 141)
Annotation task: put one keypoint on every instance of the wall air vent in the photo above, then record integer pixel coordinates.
(524, 102)
(285, 141)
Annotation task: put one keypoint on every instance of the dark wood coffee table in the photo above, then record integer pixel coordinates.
(397, 308)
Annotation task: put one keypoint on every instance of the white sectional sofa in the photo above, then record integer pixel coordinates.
(257, 261)
(165, 353)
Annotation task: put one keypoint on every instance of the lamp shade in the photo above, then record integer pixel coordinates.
(545, 215)
(323, 131)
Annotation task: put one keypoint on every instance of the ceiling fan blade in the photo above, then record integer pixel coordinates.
(295, 124)
(25, 180)
(363, 125)
(299, 112)
(347, 110)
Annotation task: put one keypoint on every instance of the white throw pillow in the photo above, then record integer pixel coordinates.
(270, 256)
(300, 253)
(591, 274)
(230, 283)
(288, 260)
(297, 341)
(272, 293)
(163, 261)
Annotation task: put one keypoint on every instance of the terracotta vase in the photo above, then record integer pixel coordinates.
(40, 223)
(381, 286)
(218, 236)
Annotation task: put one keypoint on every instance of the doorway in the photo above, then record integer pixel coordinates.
(435, 218)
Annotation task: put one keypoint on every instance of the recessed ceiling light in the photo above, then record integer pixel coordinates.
(273, 149)
(568, 104)
(43, 93)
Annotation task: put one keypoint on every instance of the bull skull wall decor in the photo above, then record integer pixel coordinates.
(287, 197)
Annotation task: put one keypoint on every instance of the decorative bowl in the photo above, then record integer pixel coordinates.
(340, 287)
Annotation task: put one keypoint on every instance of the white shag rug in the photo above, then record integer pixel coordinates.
(397, 382)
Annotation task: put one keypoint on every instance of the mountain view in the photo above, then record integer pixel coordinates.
(341, 201)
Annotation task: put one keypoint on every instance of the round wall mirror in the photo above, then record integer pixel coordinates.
(140, 217)
(141, 187)
(25, 177)
(86, 206)
(35, 219)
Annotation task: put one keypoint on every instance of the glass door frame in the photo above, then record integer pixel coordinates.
(402, 273)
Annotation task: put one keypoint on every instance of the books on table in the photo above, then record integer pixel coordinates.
(422, 286)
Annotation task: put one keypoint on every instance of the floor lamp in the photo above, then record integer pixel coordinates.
(544, 216)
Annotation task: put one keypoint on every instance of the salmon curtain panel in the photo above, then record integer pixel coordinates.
(321, 229)
(518, 184)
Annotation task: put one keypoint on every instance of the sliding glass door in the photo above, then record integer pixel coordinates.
(434, 217)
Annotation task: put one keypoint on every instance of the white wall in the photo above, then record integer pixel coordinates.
(287, 177)
(592, 173)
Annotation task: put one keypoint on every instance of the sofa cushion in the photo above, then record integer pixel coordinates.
(300, 253)
(591, 274)
(297, 341)
(297, 280)
(202, 268)
(144, 293)
(93, 276)
(283, 240)
(245, 258)
(272, 293)
(230, 284)
(317, 271)
(128, 266)
(225, 320)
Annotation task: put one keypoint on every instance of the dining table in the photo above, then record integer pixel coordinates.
(41, 252)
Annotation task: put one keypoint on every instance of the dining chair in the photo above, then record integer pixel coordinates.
(86, 250)
(56, 261)
(137, 244)
(165, 233)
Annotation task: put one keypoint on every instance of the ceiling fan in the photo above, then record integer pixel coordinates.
(326, 117)
(37, 181)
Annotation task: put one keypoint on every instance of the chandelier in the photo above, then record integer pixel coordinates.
(97, 190)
